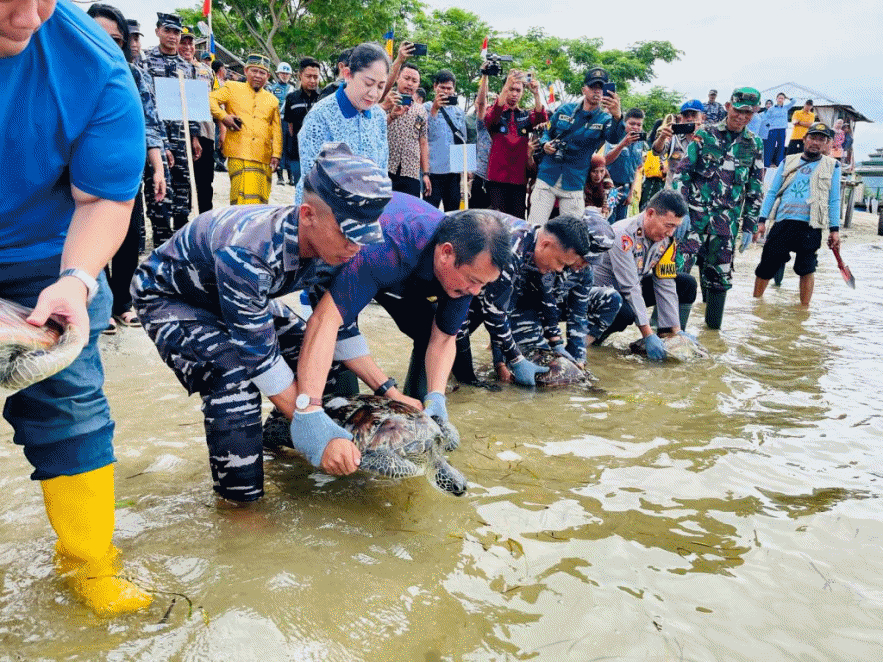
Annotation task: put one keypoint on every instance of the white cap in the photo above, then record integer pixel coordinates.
(283, 68)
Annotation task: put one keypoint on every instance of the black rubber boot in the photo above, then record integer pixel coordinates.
(780, 275)
(684, 314)
(415, 381)
(714, 308)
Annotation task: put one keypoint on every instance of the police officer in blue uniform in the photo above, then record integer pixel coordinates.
(209, 299)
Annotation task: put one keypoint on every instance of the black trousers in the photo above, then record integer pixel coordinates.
(445, 189)
(404, 184)
(508, 198)
(478, 197)
(414, 318)
(122, 265)
(204, 173)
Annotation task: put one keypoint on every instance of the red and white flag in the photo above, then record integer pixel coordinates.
(484, 49)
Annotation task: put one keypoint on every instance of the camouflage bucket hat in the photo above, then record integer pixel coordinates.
(354, 187)
(600, 232)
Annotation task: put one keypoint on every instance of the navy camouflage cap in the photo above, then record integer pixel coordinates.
(354, 187)
(168, 21)
(600, 232)
(134, 27)
(822, 128)
(596, 75)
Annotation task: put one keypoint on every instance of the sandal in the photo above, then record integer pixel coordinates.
(111, 327)
(128, 318)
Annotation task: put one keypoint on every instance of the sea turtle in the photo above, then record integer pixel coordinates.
(562, 371)
(677, 348)
(28, 353)
(396, 440)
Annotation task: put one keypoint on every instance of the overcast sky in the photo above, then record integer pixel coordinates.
(828, 46)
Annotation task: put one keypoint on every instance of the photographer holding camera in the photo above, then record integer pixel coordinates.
(673, 138)
(446, 127)
(509, 127)
(575, 132)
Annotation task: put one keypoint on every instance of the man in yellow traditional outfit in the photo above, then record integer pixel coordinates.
(253, 144)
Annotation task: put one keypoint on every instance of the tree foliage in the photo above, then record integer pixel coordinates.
(291, 29)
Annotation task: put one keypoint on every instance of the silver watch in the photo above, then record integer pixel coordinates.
(87, 280)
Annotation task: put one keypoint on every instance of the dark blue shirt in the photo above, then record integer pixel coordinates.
(402, 265)
(592, 130)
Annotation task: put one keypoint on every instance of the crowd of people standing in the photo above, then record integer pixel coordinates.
(545, 237)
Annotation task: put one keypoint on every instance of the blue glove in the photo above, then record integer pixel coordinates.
(655, 349)
(683, 228)
(525, 372)
(560, 350)
(311, 432)
(746, 240)
(434, 406)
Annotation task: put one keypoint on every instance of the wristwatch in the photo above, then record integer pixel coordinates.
(385, 386)
(303, 401)
(87, 280)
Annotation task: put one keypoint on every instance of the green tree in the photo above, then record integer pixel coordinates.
(656, 103)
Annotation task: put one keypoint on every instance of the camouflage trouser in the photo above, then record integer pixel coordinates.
(602, 305)
(712, 245)
(171, 214)
(204, 360)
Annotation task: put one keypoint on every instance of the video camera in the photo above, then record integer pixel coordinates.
(492, 64)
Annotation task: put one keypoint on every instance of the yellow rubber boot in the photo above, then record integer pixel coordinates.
(81, 510)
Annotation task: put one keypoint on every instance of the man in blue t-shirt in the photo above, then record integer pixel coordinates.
(73, 150)
(623, 161)
(803, 198)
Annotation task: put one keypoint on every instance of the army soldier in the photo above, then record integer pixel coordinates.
(641, 267)
(208, 298)
(564, 241)
(721, 179)
(163, 61)
(424, 274)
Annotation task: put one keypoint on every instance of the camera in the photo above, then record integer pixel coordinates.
(419, 50)
(683, 128)
(492, 64)
(642, 135)
(406, 100)
(452, 100)
(560, 149)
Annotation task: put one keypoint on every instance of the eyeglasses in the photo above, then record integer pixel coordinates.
(746, 97)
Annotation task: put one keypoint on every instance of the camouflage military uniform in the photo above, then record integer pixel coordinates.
(721, 179)
(156, 137)
(209, 301)
(587, 310)
(171, 214)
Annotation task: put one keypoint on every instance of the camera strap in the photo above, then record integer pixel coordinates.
(458, 137)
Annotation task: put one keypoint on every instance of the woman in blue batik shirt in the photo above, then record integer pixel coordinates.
(350, 115)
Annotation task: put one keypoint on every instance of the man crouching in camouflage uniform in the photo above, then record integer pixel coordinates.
(163, 61)
(208, 299)
(721, 179)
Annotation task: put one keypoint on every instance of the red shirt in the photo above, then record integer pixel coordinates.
(507, 161)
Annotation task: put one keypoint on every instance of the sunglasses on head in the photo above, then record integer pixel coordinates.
(746, 97)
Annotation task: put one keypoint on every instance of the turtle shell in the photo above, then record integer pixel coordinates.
(677, 348)
(562, 371)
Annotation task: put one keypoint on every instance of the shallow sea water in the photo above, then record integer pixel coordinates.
(718, 510)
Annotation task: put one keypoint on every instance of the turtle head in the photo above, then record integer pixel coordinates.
(446, 478)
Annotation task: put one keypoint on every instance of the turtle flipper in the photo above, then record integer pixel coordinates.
(450, 438)
(385, 463)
